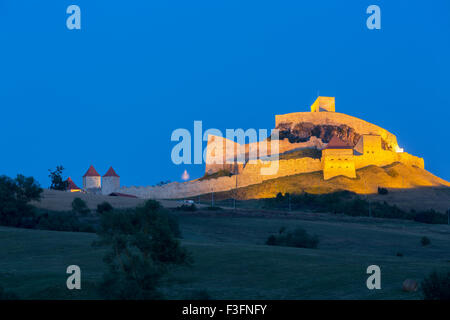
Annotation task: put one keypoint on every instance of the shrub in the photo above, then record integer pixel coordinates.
(436, 286)
(80, 206)
(351, 204)
(430, 216)
(425, 241)
(271, 240)
(399, 254)
(298, 238)
(62, 221)
(382, 191)
(142, 248)
(104, 207)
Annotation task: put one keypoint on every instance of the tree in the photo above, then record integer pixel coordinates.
(15, 196)
(104, 207)
(80, 206)
(142, 248)
(56, 176)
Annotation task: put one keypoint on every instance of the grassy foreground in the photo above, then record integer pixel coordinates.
(232, 262)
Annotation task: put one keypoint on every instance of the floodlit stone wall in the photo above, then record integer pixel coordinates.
(92, 182)
(110, 184)
(338, 162)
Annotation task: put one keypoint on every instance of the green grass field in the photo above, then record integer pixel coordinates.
(232, 262)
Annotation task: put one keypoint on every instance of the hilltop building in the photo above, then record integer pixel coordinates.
(337, 159)
(92, 181)
(110, 182)
(320, 140)
(71, 186)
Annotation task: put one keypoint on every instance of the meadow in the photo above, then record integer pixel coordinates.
(231, 260)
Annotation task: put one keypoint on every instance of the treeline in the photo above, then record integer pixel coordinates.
(16, 211)
(349, 203)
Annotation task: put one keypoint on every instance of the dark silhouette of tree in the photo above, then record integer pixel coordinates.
(15, 196)
(143, 246)
(56, 176)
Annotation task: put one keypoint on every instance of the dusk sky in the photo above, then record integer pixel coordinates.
(112, 93)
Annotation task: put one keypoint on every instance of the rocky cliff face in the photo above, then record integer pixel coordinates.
(301, 132)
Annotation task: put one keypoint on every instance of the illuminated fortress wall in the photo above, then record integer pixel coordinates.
(337, 162)
(334, 162)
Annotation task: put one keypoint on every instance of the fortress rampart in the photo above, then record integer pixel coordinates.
(376, 146)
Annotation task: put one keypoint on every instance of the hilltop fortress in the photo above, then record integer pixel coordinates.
(324, 140)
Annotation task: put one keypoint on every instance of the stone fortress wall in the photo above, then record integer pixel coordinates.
(368, 151)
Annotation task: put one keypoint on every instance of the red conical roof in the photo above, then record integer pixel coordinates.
(91, 172)
(111, 173)
(336, 143)
(71, 185)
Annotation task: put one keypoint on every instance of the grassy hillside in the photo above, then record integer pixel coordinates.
(232, 262)
(409, 187)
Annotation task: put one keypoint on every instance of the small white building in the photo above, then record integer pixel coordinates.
(92, 181)
(110, 181)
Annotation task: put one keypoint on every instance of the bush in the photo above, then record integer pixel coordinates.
(399, 254)
(271, 240)
(382, 191)
(298, 238)
(80, 206)
(142, 248)
(430, 216)
(351, 204)
(425, 241)
(62, 221)
(436, 286)
(104, 207)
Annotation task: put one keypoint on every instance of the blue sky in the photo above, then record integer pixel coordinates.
(113, 92)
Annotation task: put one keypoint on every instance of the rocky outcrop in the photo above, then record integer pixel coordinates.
(301, 132)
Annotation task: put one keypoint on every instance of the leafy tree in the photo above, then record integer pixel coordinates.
(15, 196)
(80, 206)
(142, 248)
(56, 176)
(104, 207)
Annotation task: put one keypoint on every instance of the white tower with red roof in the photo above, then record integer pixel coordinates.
(111, 181)
(92, 181)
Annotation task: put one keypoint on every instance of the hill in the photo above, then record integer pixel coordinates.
(409, 187)
(232, 262)
(62, 201)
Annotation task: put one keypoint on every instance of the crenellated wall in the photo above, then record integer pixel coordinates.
(251, 174)
(369, 150)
